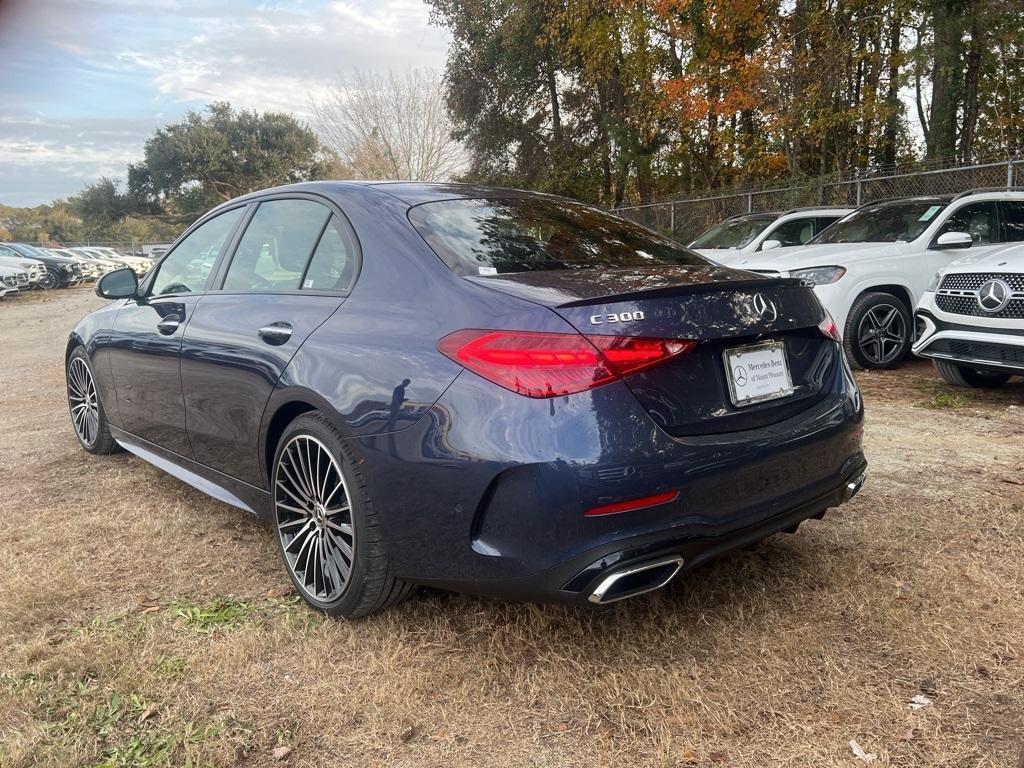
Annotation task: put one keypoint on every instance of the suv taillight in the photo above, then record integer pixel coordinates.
(553, 364)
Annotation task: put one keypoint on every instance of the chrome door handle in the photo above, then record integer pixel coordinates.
(168, 325)
(276, 333)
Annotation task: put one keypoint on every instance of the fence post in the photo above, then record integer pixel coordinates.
(750, 202)
(1009, 172)
(672, 218)
(859, 189)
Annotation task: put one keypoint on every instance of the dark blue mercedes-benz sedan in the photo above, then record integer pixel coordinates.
(472, 388)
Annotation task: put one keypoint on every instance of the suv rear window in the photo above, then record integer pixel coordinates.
(500, 235)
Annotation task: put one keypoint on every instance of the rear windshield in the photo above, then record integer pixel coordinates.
(496, 236)
(734, 233)
(883, 223)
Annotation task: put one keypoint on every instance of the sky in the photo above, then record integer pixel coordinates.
(84, 83)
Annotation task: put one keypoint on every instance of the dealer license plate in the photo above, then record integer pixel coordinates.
(757, 373)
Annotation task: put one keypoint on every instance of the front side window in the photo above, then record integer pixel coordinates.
(273, 253)
(793, 232)
(1013, 221)
(501, 235)
(979, 220)
(187, 267)
(734, 233)
(884, 223)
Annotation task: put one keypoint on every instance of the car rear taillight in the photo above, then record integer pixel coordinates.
(553, 364)
(829, 329)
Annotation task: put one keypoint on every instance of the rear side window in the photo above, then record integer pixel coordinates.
(333, 267)
(793, 232)
(273, 253)
(1013, 221)
(187, 267)
(501, 235)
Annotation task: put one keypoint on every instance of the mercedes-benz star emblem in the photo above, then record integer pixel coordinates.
(739, 375)
(993, 296)
(765, 308)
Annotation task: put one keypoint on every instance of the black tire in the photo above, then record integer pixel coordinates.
(96, 437)
(51, 280)
(370, 585)
(879, 331)
(962, 376)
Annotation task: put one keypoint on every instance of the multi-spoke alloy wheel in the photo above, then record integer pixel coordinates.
(877, 331)
(882, 334)
(85, 404)
(314, 518)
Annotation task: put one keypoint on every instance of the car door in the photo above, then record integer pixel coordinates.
(980, 220)
(290, 271)
(145, 337)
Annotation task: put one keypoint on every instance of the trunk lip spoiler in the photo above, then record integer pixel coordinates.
(668, 291)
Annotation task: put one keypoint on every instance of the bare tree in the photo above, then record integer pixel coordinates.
(389, 126)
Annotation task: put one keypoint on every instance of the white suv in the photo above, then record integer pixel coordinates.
(970, 321)
(870, 268)
(752, 232)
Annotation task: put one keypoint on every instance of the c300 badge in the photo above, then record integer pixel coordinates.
(616, 317)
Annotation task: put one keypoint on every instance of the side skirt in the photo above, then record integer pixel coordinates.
(211, 482)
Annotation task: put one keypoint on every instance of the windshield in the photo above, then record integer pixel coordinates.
(734, 233)
(883, 223)
(497, 236)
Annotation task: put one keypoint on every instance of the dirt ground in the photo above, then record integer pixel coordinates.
(142, 623)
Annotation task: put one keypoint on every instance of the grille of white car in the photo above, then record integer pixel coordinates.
(972, 281)
(980, 351)
(958, 294)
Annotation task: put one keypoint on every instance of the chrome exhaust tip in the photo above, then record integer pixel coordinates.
(636, 580)
(853, 487)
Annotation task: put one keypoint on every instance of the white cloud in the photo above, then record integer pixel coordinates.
(87, 81)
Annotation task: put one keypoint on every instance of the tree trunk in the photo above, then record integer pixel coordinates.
(947, 31)
(892, 91)
(556, 113)
(971, 105)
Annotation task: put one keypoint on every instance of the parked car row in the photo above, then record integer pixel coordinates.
(24, 267)
(875, 265)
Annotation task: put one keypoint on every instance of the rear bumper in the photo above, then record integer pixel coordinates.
(585, 578)
(488, 493)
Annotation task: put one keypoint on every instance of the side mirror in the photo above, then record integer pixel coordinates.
(118, 284)
(769, 245)
(953, 240)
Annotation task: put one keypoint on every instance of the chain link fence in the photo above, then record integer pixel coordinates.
(684, 219)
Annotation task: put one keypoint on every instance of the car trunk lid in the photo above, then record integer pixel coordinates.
(721, 308)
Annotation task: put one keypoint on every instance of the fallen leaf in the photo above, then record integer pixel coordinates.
(279, 592)
(147, 713)
(860, 754)
(910, 735)
(920, 702)
(718, 757)
(439, 734)
(281, 753)
(689, 756)
(407, 733)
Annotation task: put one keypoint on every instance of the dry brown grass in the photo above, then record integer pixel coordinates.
(142, 623)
